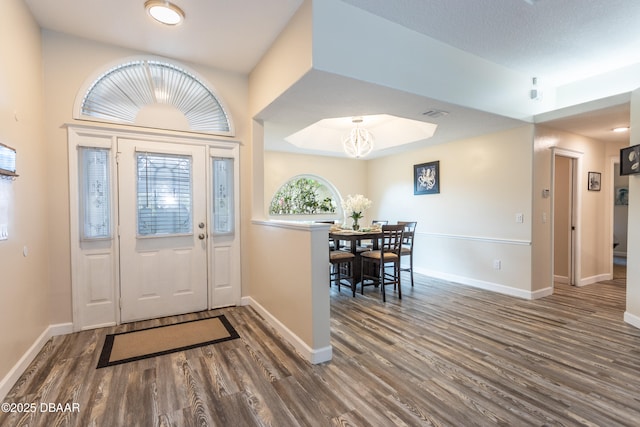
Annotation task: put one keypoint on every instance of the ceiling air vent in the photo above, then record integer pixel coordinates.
(434, 114)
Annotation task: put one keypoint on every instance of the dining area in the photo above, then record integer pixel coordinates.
(369, 256)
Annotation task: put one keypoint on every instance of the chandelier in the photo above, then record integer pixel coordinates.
(359, 143)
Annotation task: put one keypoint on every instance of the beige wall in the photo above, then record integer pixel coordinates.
(68, 63)
(287, 60)
(24, 304)
(291, 261)
(485, 182)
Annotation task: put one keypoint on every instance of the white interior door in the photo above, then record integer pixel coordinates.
(163, 230)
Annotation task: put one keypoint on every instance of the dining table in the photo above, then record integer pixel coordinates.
(354, 238)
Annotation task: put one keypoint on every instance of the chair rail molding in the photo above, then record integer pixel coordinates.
(499, 240)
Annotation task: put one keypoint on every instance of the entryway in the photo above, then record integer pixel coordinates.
(154, 228)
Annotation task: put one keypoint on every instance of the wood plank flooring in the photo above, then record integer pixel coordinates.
(444, 355)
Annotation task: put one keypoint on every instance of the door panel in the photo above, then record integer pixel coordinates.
(163, 253)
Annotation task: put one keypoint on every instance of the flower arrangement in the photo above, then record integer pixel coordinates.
(353, 207)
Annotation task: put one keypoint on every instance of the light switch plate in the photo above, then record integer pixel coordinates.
(4, 232)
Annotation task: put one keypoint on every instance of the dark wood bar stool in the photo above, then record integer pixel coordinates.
(342, 269)
(407, 244)
(374, 264)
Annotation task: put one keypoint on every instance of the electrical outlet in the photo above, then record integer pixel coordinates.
(4, 232)
(497, 264)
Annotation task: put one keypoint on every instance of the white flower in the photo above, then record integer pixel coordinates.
(355, 204)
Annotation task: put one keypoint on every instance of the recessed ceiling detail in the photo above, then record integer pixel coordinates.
(389, 131)
(123, 91)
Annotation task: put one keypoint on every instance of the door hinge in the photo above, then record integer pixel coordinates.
(117, 157)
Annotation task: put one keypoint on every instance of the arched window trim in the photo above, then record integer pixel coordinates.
(196, 79)
(338, 215)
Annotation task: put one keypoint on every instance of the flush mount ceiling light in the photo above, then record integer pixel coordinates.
(621, 129)
(359, 143)
(164, 12)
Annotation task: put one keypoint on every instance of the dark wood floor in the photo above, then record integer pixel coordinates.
(445, 355)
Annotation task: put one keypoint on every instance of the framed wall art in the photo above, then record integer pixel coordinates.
(594, 181)
(622, 196)
(630, 160)
(426, 178)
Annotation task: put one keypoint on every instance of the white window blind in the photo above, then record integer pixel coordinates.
(120, 93)
(95, 193)
(164, 194)
(223, 188)
(7, 160)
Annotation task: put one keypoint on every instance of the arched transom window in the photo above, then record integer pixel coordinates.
(126, 92)
(308, 196)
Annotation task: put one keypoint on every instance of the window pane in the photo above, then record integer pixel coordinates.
(303, 195)
(223, 195)
(7, 159)
(95, 192)
(164, 194)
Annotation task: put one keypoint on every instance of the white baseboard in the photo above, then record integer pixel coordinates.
(489, 286)
(314, 356)
(594, 279)
(541, 293)
(560, 279)
(632, 319)
(18, 369)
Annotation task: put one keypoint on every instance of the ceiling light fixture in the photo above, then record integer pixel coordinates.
(164, 12)
(359, 143)
(621, 129)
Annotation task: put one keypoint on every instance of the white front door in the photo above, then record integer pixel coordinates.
(163, 230)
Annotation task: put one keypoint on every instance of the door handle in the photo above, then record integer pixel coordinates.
(201, 225)
(201, 236)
